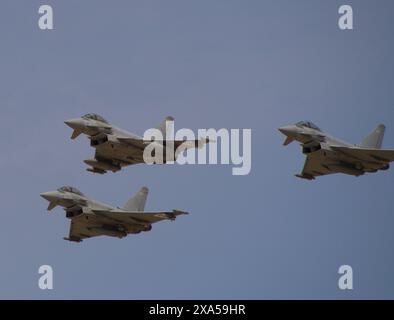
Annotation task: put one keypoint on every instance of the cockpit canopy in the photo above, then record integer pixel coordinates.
(70, 189)
(94, 116)
(307, 124)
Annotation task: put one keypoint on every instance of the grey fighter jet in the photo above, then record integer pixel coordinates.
(326, 154)
(116, 148)
(90, 218)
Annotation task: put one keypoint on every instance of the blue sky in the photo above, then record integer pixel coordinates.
(220, 64)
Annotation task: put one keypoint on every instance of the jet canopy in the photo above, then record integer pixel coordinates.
(94, 116)
(70, 189)
(307, 124)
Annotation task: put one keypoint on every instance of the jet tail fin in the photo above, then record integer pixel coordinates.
(162, 126)
(375, 138)
(137, 202)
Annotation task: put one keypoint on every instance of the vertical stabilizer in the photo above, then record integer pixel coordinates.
(375, 138)
(137, 202)
(162, 126)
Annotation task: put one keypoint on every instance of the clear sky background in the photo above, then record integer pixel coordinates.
(220, 64)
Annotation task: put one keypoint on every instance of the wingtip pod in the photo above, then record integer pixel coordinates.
(95, 170)
(305, 176)
(173, 215)
(73, 239)
(179, 212)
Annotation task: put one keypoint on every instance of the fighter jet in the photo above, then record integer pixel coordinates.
(90, 218)
(326, 154)
(116, 148)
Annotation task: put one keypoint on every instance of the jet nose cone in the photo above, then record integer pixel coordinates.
(287, 130)
(49, 196)
(74, 123)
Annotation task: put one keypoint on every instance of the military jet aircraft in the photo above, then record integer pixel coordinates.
(326, 154)
(115, 147)
(90, 218)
